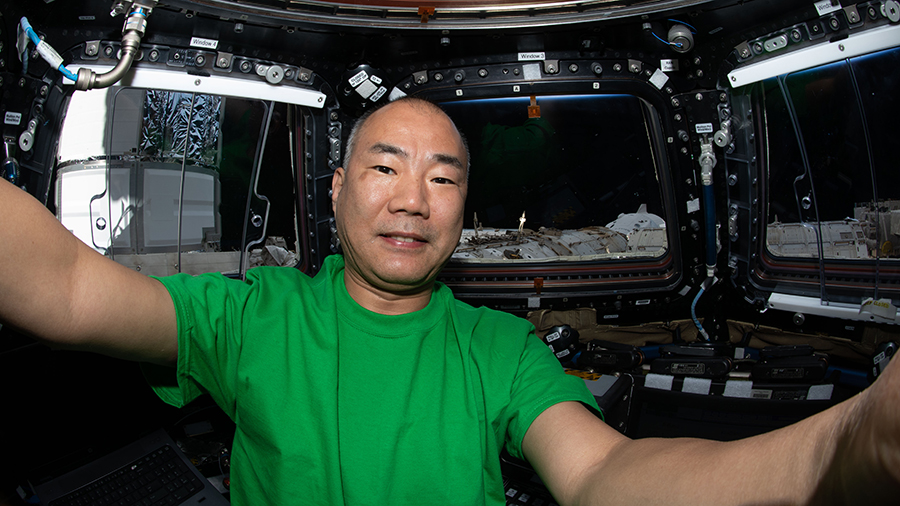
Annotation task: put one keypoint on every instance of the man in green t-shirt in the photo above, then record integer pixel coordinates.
(398, 203)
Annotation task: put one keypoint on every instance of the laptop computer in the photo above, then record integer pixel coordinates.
(150, 470)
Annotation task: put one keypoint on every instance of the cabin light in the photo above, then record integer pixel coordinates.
(857, 44)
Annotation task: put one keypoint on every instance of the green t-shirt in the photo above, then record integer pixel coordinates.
(334, 404)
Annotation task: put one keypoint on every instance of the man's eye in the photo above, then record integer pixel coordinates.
(442, 180)
(383, 169)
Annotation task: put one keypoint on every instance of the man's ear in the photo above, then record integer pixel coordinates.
(337, 182)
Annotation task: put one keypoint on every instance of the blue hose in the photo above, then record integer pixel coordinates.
(44, 49)
(29, 31)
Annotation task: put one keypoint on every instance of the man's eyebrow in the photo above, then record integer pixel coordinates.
(381, 147)
(449, 160)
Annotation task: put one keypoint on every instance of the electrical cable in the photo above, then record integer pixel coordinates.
(46, 51)
(700, 328)
(676, 44)
(693, 30)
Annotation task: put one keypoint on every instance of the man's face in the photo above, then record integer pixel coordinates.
(399, 202)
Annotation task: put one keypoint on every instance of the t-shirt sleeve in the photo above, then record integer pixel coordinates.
(209, 311)
(540, 382)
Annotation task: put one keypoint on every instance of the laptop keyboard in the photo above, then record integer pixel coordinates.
(159, 478)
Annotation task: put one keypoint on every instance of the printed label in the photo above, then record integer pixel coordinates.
(668, 65)
(704, 128)
(375, 79)
(760, 394)
(881, 307)
(86, 18)
(532, 56)
(378, 93)
(358, 78)
(551, 337)
(204, 43)
(827, 6)
(12, 118)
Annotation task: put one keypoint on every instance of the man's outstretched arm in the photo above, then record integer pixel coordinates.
(849, 454)
(57, 289)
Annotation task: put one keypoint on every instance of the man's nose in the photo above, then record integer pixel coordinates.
(410, 196)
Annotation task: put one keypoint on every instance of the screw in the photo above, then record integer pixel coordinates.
(246, 66)
(676, 102)
(573, 68)
(437, 77)
(154, 55)
(678, 117)
(222, 63)
(699, 72)
(176, 56)
(44, 90)
(108, 51)
(617, 67)
(200, 60)
(698, 96)
(304, 76)
(482, 72)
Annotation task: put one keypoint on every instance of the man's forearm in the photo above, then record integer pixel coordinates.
(58, 289)
(779, 467)
(38, 253)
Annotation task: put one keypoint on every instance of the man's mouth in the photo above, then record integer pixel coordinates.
(403, 238)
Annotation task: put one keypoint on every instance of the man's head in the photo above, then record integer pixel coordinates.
(399, 199)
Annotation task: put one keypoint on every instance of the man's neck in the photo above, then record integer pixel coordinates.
(384, 301)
